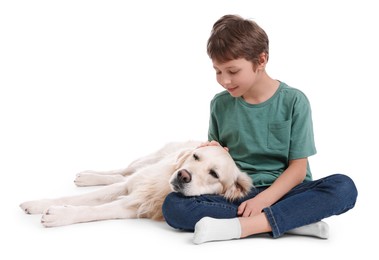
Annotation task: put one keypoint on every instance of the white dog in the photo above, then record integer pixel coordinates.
(139, 190)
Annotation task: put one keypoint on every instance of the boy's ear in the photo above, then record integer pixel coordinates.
(263, 58)
(262, 61)
(241, 186)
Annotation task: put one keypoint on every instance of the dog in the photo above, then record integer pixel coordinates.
(139, 190)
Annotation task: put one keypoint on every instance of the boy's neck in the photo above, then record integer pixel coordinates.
(262, 91)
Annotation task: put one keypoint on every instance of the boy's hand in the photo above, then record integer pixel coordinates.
(212, 143)
(249, 208)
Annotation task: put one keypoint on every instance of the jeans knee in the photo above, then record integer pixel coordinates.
(167, 207)
(347, 191)
(175, 212)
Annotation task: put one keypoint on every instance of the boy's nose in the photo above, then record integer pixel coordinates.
(225, 81)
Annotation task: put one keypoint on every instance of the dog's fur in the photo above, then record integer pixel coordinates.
(139, 190)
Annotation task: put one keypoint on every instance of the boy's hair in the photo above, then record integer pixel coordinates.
(233, 37)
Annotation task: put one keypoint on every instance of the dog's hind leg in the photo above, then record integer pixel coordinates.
(66, 215)
(97, 178)
(98, 197)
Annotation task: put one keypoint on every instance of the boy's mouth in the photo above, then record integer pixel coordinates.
(232, 89)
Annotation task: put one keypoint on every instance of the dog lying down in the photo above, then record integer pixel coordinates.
(139, 190)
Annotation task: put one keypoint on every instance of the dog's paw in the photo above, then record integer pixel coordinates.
(59, 216)
(36, 206)
(87, 178)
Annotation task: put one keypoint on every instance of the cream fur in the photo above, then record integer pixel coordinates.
(139, 190)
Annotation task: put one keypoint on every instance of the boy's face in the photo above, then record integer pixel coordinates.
(236, 76)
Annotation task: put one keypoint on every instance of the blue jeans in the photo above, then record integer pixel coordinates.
(308, 202)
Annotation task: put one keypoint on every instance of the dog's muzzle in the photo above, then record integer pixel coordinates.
(182, 178)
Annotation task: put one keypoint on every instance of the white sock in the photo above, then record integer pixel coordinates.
(319, 229)
(212, 229)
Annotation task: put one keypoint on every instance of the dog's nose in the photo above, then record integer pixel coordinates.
(184, 176)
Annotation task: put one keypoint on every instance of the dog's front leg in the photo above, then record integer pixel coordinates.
(66, 215)
(101, 196)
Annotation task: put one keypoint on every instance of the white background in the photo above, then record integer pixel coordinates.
(96, 84)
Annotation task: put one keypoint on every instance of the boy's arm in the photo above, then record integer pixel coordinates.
(292, 176)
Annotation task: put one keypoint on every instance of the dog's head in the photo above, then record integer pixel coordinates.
(209, 170)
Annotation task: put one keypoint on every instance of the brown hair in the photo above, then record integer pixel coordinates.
(233, 37)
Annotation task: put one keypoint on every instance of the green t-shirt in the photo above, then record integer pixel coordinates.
(262, 138)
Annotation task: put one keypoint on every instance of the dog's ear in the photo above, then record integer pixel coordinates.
(181, 157)
(240, 187)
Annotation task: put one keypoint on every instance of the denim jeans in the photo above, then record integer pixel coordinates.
(308, 202)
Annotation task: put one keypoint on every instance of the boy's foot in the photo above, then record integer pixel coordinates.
(211, 229)
(319, 229)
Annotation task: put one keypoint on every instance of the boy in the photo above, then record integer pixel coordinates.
(267, 128)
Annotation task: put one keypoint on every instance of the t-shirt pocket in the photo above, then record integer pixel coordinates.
(279, 134)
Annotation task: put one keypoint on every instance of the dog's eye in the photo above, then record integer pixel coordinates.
(213, 173)
(196, 157)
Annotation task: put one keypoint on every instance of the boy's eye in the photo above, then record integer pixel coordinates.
(234, 71)
(196, 157)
